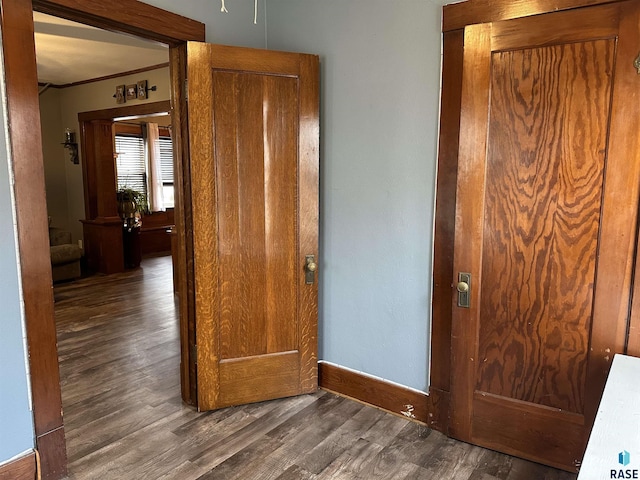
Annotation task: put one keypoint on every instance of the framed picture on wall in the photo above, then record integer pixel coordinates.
(132, 92)
(120, 94)
(142, 89)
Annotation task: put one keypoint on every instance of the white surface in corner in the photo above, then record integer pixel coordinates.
(617, 425)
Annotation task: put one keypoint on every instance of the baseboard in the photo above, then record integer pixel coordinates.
(430, 409)
(23, 468)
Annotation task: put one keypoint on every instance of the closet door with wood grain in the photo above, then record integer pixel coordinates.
(547, 197)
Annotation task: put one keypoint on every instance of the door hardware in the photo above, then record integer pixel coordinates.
(310, 269)
(464, 289)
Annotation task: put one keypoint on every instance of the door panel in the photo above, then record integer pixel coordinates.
(259, 377)
(541, 227)
(256, 119)
(542, 217)
(253, 118)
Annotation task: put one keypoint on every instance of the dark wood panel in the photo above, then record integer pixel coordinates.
(457, 16)
(445, 214)
(104, 164)
(541, 442)
(103, 245)
(597, 22)
(115, 75)
(633, 337)
(155, 240)
(128, 111)
(30, 203)
(98, 169)
(135, 129)
(154, 233)
(52, 463)
(389, 396)
(159, 219)
(438, 409)
(89, 177)
(619, 215)
(24, 468)
(182, 251)
(470, 185)
(542, 217)
(128, 16)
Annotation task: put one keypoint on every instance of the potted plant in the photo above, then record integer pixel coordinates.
(131, 204)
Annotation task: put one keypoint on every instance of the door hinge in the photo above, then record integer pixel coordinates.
(186, 89)
(194, 353)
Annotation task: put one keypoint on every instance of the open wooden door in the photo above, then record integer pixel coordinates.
(254, 141)
(547, 194)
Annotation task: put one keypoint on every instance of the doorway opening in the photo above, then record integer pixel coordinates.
(132, 312)
(134, 18)
(81, 70)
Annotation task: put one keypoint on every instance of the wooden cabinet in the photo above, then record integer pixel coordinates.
(154, 236)
(541, 117)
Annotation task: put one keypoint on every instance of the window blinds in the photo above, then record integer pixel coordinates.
(130, 163)
(166, 160)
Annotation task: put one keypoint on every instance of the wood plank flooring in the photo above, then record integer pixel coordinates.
(119, 358)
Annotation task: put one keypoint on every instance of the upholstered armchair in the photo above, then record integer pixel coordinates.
(65, 255)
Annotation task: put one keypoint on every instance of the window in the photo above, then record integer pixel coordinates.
(131, 162)
(130, 165)
(166, 167)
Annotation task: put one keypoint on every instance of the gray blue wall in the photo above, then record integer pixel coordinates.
(233, 28)
(380, 94)
(379, 112)
(16, 421)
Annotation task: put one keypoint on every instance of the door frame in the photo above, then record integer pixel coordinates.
(124, 16)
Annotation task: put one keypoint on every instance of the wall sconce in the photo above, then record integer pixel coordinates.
(71, 145)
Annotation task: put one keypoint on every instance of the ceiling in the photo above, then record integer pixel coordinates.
(69, 52)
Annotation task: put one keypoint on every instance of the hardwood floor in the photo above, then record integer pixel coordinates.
(119, 358)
